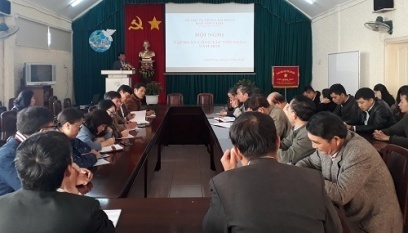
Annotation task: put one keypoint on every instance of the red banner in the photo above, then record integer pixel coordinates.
(146, 22)
(285, 76)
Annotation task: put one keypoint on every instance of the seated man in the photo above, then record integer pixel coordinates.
(356, 178)
(117, 118)
(243, 94)
(376, 113)
(347, 108)
(260, 104)
(275, 98)
(43, 161)
(264, 195)
(29, 121)
(134, 102)
(310, 93)
(297, 145)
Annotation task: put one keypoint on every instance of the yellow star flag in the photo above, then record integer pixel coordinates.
(154, 23)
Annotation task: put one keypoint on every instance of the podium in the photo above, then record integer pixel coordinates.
(116, 78)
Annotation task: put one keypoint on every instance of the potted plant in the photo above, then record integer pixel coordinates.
(152, 92)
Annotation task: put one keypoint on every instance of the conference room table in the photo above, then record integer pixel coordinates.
(123, 183)
(158, 215)
(129, 170)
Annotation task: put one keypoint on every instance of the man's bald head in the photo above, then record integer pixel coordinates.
(275, 98)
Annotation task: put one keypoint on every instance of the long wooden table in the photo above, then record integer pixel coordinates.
(159, 215)
(129, 170)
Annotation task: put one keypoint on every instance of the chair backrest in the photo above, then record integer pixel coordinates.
(92, 108)
(396, 159)
(205, 99)
(51, 100)
(8, 123)
(11, 103)
(2, 109)
(56, 107)
(95, 99)
(175, 99)
(67, 103)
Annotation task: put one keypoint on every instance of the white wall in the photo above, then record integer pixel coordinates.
(342, 29)
(13, 57)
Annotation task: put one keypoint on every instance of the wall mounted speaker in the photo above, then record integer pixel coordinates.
(381, 5)
(5, 7)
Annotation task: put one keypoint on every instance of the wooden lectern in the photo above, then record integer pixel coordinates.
(116, 78)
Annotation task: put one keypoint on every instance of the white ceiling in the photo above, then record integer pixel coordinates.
(63, 7)
(317, 8)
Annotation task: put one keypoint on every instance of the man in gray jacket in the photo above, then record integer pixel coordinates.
(263, 195)
(356, 178)
(297, 145)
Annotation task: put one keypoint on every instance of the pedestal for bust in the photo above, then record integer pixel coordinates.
(116, 78)
(147, 64)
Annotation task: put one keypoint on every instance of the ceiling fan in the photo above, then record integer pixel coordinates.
(379, 25)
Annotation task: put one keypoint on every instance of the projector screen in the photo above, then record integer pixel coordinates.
(203, 38)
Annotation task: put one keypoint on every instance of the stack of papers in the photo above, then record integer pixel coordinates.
(113, 215)
(223, 124)
(225, 119)
(140, 117)
(101, 162)
(114, 147)
(129, 135)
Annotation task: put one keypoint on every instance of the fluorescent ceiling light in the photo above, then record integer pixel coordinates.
(310, 1)
(75, 2)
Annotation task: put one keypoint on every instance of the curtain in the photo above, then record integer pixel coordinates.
(283, 36)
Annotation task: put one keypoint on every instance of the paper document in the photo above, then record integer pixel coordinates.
(129, 136)
(113, 215)
(151, 116)
(223, 124)
(114, 147)
(141, 132)
(101, 162)
(140, 117)
(225, 119)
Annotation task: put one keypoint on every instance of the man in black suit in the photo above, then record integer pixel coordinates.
(376, 112)
(264, 195)
(121, 64)
(43, 163)
(310, 93)
(347, 108)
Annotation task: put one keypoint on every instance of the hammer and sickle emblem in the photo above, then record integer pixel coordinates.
(136, 25)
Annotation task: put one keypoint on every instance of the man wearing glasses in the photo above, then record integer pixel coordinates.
(29, 121)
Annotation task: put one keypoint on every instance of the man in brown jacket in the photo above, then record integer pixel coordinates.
(356, 178)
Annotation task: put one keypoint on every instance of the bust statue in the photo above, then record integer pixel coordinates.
(146, 54)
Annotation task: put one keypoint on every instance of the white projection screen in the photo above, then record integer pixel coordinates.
(208, 38)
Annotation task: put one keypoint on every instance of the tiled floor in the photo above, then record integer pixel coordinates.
(185, 172)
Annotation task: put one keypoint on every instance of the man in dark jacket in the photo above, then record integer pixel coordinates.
(310, 93)
(44, 163)
(347, 108)
(376, 113)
